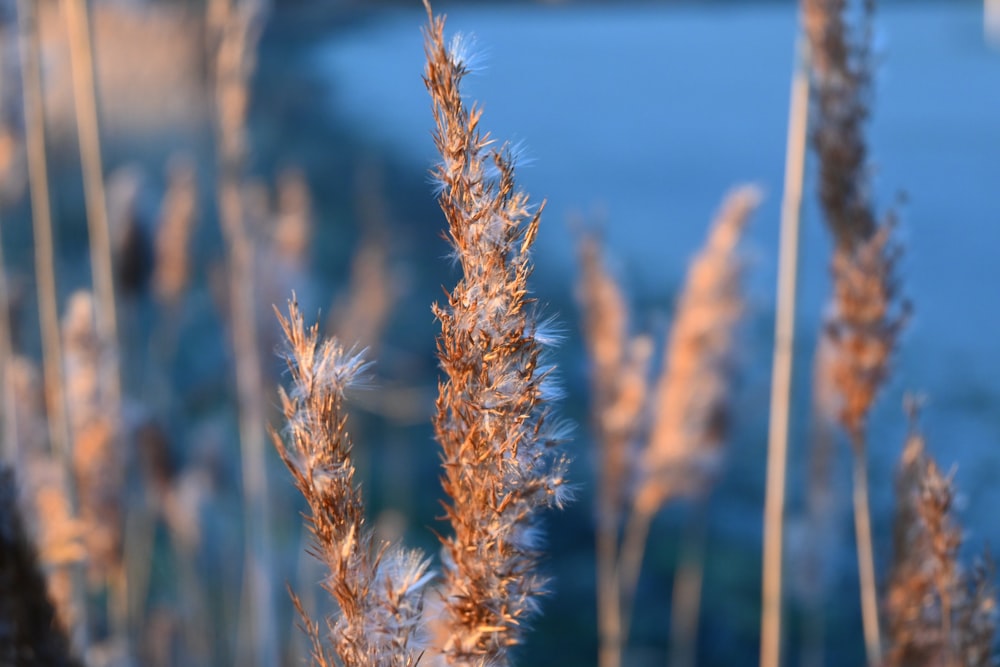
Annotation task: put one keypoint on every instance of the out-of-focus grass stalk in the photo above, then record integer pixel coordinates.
(235, 46)
(81, 57)
(41, 213)
(685, 607)
(88, 131)
(781, 372)
(10, 447)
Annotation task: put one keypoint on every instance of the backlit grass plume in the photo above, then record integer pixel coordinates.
(692, 394)
(378, 588)
(501, 465)
(937, 613)
(690, 404)
(619, 386)
(867, 311)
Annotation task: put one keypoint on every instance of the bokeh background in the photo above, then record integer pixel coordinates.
(635, 117)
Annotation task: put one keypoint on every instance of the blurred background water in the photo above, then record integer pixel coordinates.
(638, 117)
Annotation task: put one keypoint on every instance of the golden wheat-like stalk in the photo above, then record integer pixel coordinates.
(492, 421)
(378, 588)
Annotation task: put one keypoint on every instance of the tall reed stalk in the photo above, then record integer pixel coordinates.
(493, 418)
(10, 449)
(45, 276)
(235, 61)
(867, 312)
(690, 403)
(619, 391)
(81, 57)
(88, 131)
(783, 357)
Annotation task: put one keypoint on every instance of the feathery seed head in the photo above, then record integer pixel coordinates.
(500, 465)
(692, 395)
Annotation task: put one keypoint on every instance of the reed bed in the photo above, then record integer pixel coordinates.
(145, 521)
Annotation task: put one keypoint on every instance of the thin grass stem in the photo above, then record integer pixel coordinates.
(781, 373)
(685, 609)
(609, 620)
(234, 64)
(630, 565)
(866, 561)
(45, 276)
(88, 131)
(10, 449)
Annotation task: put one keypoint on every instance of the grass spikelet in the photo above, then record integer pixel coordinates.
(937, 614)
(692, 394)
(842, 81)
(177, 217)
(868, 316)
(492, 421)
(379, 589)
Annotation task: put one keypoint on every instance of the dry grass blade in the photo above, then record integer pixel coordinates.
(492, 420)
(378, 588)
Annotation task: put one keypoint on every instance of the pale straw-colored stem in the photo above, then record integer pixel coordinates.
(233, 67)
(45, 276)
(866, 560)
(781, 373)
(685, 609)
(88, 131)
(608, 593)
(630, 565)
(81, 58)
(10, 448)
(250, 398)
